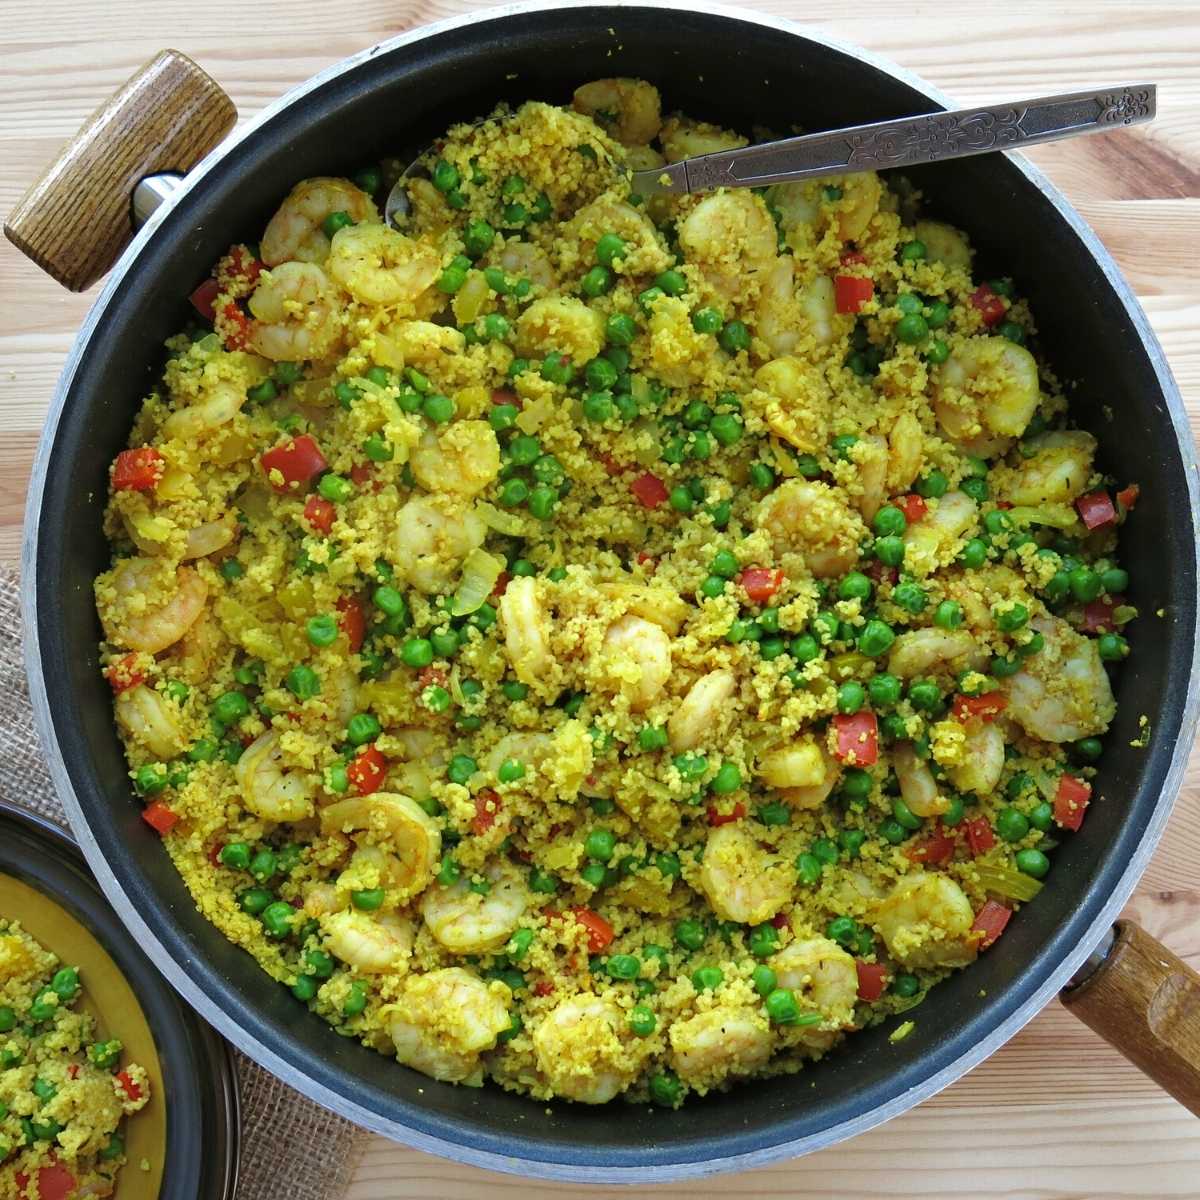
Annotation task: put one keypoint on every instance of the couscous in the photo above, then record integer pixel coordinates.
(609, 645)
(63, 1091)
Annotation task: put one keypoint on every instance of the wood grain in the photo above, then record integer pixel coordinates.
(1056, 1113)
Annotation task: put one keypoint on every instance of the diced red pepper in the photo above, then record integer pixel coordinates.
(871, 978)
(937, 848)
(352, 621)
(912, 506)
(244, 265)
(986, 707)
(202, 299)
(600, 932)
(129, 1085)
(543, 987)
(235, 331)
(857, 738)
(298, 460)
(505, 396)
(611, 466)
(55, 1182)
(137, 470)
(851, 292)
(361, 474)
(779, 920)
(760, 583)
(159, 817)
(1071, 801)
(431, 676)
(852, 258)
(487, 809)
(124, 673)
(881, 573)
(1127, 497)
(502, 582)
(366, 770)
(990, 305)
(650, 490)
(319, 513)
(1098, 617)
(1096, 510)
(990, 921)
(716, 818)
(980, 838)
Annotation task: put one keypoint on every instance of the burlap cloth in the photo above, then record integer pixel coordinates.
(291, 1148)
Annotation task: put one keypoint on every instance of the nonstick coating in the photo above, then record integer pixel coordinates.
(744, 72)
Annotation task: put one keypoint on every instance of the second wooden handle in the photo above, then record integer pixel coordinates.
(1146, 1002)
(74, 221)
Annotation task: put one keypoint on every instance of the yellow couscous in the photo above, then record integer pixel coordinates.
(63, 1092)
(609, 644)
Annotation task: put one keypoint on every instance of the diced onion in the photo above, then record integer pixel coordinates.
(1004, 881)
(507, 523)
(480, 572)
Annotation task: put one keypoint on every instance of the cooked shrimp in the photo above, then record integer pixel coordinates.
(797, 402)
(809, 517)
(526, 628)
(220, 402)
(1062, 693)
(937, 538)
(983, 760)
(799, 212)
(870, 455)
(711, 1046)
(743, 882)
(824, 979)
(629, 109)
(467, 923)
(861, 194)
(524, 260)
(925, 921)
(923, 651)
(817, 308)
(433, 536)
(682, 137)
(728, 234)
(379, 265)
(779, 313)
(1056, 471)
(918, 788)
(644, 251)
(906, 453)
(295, 314)
(149, 719)
(443, 1022)
(268, 790)
(462, 459)
(944, 244)
(635, 660)
(701, 712)
(798, 764)
(295, 232)
(987, 386)
(396, 824)
(374, 943)
(153, 606)
(812, 795)
(581, 1050)
(562, 324)
(206, 539)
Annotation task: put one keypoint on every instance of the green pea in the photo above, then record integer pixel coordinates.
(764, 940)
(65, 984)
(925, 695)
(620, 329)
(336, 221)
(610, 247)
(804, 648)
(1012, 618)
(278, 918)
(855, 586)
(689, 934)
(642, 1020)
(912, 329)
(933, 485)
(775, 814)
(910, 597)
(734, 337)
(707, 979)
(782, 1008)
(448, 872)
(542, 882)
(707, 320)
(1114, 580)
(597, 282)
(542, 501)
(727, 779)
(892, 831)
(356, 1000)
(1112, 647)
(1011, 824)
(890, 521)
(876, 638)
(368, 899)
(889, 550)
(511, 770)
(1032, 862)
(976, 487)
(690, 765)
(906, 986)
(948, 615)
(851, 842)
(235, 855)
(883, 690)
(263, 865)
(362, 728)
(1041, 816)
(851, 696)
(665, 1089)
(478, 238)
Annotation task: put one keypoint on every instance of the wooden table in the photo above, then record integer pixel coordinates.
(1055, 1113)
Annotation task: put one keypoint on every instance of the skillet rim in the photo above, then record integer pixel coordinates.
(581, 1168)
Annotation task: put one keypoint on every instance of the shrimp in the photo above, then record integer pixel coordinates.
(925, 922)
(779, 313)
(809, 517)
(937, 538)
(635, 659)
(817, 306)
(369, 942)
(870, 455)
(424, 758)
(983, 760)
(742, 882)
(149, 719)
(295, 231)
(208, 538)
(728, 234)
(580, 1047)
(798, 764)
(397, 824)
(644, 252)
(906, 453)
(823, 978)
(463, 459)
(321, 899)
(378, 265)
(988, 386)
(629, 109)
(711, 1046)
(682, 138)
(921, 651)
(433, 536)
(662, 605)
(813, 795)
(295, 314)
(465, 922)
(701, 712)
(1056, 472)
(918, 788)
(443, 1022)
(142, 617)
(524, 260)
(944, 244)
(268, 791)
(1061, 694)
(563, 758)
(859, 203)
(562, 324)
(798, 402)
(221, 402)
(799, 212)
(526, 628)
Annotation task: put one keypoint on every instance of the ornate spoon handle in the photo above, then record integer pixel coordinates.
(907, 142)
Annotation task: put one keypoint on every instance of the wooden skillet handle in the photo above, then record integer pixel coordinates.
(75, 221)
(1146, 1002)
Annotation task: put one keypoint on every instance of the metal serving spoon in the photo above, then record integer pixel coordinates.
(906, 142)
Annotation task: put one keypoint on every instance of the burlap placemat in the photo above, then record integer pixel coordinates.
(290, 1147)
